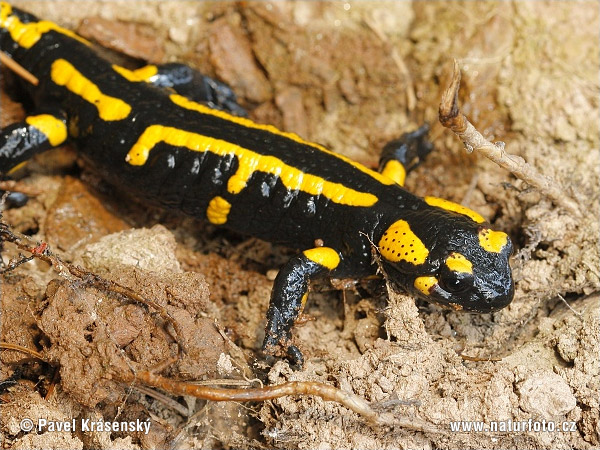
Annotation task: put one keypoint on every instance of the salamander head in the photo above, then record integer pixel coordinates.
(444, 255)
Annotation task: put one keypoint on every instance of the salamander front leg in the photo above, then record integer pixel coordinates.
(289, 295)
(11, 199)
(400, 156)
(20, 141)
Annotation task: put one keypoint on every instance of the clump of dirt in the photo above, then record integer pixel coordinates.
(351, 76)
(414, 375)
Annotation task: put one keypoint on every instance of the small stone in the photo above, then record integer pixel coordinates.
(546, 394)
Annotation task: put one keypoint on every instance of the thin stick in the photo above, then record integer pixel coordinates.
(164, 399)
(577, 313)
(451, 117)
(478, 359)
(19, 348)
(18, 69)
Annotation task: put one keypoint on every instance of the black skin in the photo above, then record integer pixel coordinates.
(178, 178)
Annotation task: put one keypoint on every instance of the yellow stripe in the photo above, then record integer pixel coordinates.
(324, 256)
(55, 130)
(454, 207)
(249, 162)
(141, 74)
(188, 104)
(218, 210)
(109, 108)
(27, 34)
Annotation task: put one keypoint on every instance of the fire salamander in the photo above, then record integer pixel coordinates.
(178, 139)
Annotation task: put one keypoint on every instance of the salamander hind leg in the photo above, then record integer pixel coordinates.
(9, 199)
(289, 295)
(400, 156)
(192, 84)
(36, 134)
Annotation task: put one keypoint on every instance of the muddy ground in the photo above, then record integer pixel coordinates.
(351, 76)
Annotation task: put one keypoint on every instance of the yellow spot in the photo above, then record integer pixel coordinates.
(28, 34)
(458, 263)
(324, 256)
(395, 171)
(141, 74)
(65, 74)
(492, 241)
(399, 243)
(249, 162)
(218, 210)
(188, 104)
(425, 284)
(454, 207)
(54, 129)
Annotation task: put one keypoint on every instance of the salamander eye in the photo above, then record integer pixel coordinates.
(455, 282)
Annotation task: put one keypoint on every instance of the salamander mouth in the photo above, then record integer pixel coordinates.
(473, 301)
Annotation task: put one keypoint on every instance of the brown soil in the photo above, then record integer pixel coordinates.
(350, 76)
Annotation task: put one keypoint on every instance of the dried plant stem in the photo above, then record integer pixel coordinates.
(18, 68)
(20, 348)
(451, 117)
(324, 391)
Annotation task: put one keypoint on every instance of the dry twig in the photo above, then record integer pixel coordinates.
(19, 348)
(324, 391)
(18, 68)
(451, 117)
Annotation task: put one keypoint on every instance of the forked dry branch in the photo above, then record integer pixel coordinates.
(452, 118)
